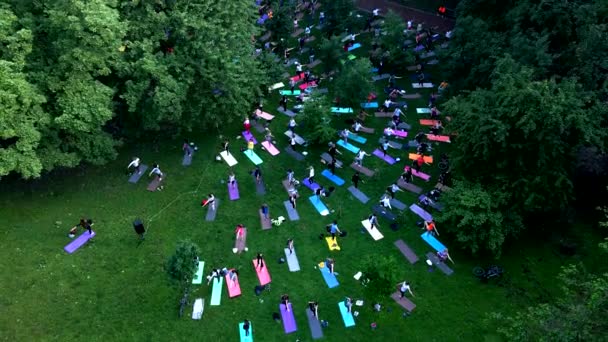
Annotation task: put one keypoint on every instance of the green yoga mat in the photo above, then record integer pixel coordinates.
(351, 57)
(216, 292)
(198, 276)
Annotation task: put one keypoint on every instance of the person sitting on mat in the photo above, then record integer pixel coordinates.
(209, 201)
(257, 174)
(232, 276)
(430, 227)
(232, 179)
(293, 196)
(240, 232)
(320, 191)
(404, 288)
(355, 179)
(349, 304)
(419, 136)
(385, 201)
(333, 229)
(85, 224)
(246, 327)
(290, 245)
(314, 308)
(373, 221)
(329, 263)
(259, 260)
(157, 172)
(423, 148)
(285, 301)
(407, 175)
(135, 164)
(444, 255)
(215, 273)
(417, 164)
(265, 211)
(435, 113)
(357, 126)
(392, 189)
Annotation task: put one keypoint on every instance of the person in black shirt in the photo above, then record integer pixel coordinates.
(356, 179)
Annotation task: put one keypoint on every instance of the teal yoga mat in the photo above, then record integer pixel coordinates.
(216, 292)
(348, 146)
(248, 338)
(253, 157)
(198, 276)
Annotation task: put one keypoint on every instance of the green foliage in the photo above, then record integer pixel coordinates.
(316, 118)
(330, 52)
(380, 271)
(340, 15)
(272, 69)
(354, 83)
(478, 217)
(281, 24)
(397, 58)
(182, 265)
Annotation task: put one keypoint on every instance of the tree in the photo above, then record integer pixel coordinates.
(272, 68)
(281, 24)
(379, 270)
(182, 265)
(339, 16)
(397, 57)
(316, 118)
(480, 218)
(330, 52)
(354, 83)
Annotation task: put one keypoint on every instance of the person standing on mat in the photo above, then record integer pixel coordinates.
(135, 164)
(291, 126)
(420, 76)
(444, 255)
(250, 145)
(285, 301)
(293, 196)
(299, 70)
(357, 126)
(257, 174)
(404, 288)
(314, 308)
(329, 263)
(344, 134)
(430, 227)
(240, 232)
(388, 132)
(293, 142)
(232, 179)
(265, 211)
(332, 166)
(432, 99)
(283, 103)
(225, 146)
(311, 174)
(333, 229)
(268, 135)
(373, 221)
(247, 125)
(387, 105)
(259, 260)
(385, 146)
(407, 175)
(419, 162)
(246, 327)
(186, 148)
(392, 189)
(157, 172)
(290, 246)
(292, 84)
(290, 176)
(349, 304)
(355, 179)
(209, 201)
(333, 150)
(359, 157)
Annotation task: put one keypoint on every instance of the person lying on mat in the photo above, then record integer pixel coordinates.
(373, 221)
(329, 263)
(257, 173)
(209, 201)
(431, 228)
(285, 301)
(259, 260)
(85, 224)
(404, 288)
(265, 211)
(444, 255)
(157, 172)
(314, 308)
(232, 276)
(392, 189)
(240, 232)
(426, 202)
(407, 175)
(349, 304)
(333, 229)
(385, 201)
(246, 327)
(231, 179)
(290, 245)
(134, 165)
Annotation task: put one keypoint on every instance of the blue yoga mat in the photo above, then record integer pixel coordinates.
(423, 110)
(253, 157)
(357, 138)
(348, 146)
(355, 46)
(369, 105)
(319, 205)
(348, 318)
(341, 110)
(329, 278)
(244, 338)
(431, 240)
(335, 179)
(374, 69)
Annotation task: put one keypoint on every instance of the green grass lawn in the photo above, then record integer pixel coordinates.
(116, 288)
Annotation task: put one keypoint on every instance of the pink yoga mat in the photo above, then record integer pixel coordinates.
(418, 174)
(233, 289)
(306, 85)
(297, 77)
(270, 148)
(263, 275)
(264, 115)
(441, 138)
(400, 134)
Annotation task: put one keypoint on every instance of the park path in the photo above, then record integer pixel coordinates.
(407, 13)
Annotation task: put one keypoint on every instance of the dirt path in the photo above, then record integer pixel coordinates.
(427, 19)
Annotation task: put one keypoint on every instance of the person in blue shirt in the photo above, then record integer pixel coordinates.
(333, 229)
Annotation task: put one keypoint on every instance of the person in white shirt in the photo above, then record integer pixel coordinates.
(292, 124)
(388, 132)
(359, 157)
(392, 189)
(307, 31)
(385, 201)
(209, 201)
(387, 105)
(299, 70)
(311, 174)
(344, 134)
(156, 171)
(357, 126)
(409, 24)
(232, 179)
(376, 12)
(397, 112)
(135, 164)
(290, 175)
(405, 287)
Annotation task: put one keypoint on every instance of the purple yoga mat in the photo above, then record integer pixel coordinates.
(313, 186)
(233, 191)
(248, 135)
(386, 158)
(289, 321)
(421, 212)
(78, 242)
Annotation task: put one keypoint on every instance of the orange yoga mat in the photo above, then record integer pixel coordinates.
(441, 138)
(427, 159)
(427, 122)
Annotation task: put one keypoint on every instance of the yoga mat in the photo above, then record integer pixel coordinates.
(362, 169)
(351, 57)
(440, 138)
(433, 204)
(341, 110)
(357, 138)
(369, 105)
(395, 203)
(354, 46)
(411, 96)
(421, 175)
(424, 85)
(270, 148)
(264, 115)
(432, 241)
(253, 157)
(294, 154)
(312, 186)
(304, 86)
(234, 289)
(352, 148)
(330, 279)
(423, 110)
(428, 122)
(197, 308)
(440, 265)
(427, 159)
(408, 186)
(263, 275)
(428, 54)
(404, 302)
(260, 188)
(289, 321)
(292, 260)
(228, 158)
(421, 212)
(327, 158)
(314, 63)
(291, 212)
(364, 129)
(265, 222)
(239, 244)
(78, 242)
(297, 77)
(335, 179)
(332, 244)
(290, 93)
(319, 205)
(383, 114)
(381, 77)
(248, 136)
(358, 194)
(299, 139)
(211, 213)
(154, 184)
(297, 32)
(375, 233)
(315, 326)
(248, 338)
(381, 211)
(198, 275)
(400, 134)
(404, 126)
(137, 175)
(391, 144)
(407, 252)
(233, 191)
(276, 86)
(390, 160)
(187, 161)
(258, 127)
(286, 112)
(347, 317)
(216, 291)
